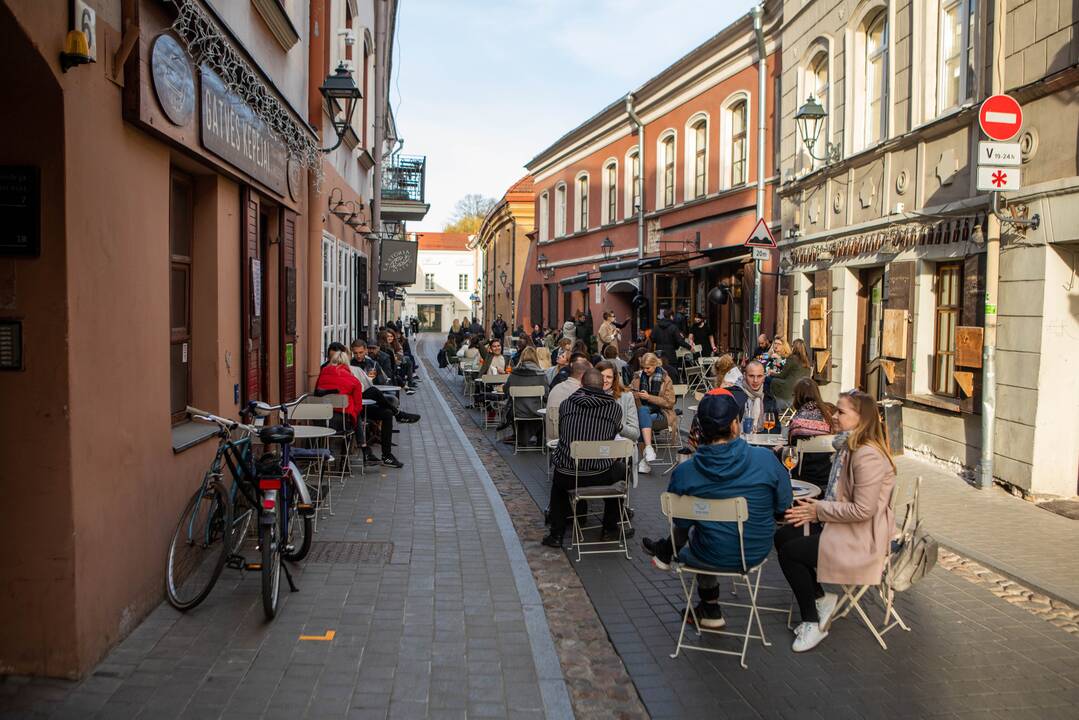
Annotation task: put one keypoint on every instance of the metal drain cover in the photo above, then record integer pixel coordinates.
(351, 553)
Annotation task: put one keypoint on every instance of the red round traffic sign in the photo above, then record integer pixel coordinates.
(1000, 117)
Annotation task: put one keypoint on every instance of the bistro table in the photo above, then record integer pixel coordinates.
(312, 432)
(765, 439)
(388, 388)
(803, 490)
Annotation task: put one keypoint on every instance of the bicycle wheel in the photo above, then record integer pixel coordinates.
(271, 568)
(242, 515)
(298, 540)
(199, 546)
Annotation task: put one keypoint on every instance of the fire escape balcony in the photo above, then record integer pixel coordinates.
(403, 188)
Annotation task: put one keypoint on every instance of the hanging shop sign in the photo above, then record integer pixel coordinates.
(174, 80)
(397, 262)
(232, 131)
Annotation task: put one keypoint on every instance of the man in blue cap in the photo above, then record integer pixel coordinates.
(724, 466)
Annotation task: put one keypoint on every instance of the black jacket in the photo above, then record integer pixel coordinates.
(498, 328)
(668, 338)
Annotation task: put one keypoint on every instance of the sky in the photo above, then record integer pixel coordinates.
(481, 86)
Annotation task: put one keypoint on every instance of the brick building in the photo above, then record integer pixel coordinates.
(503, 243)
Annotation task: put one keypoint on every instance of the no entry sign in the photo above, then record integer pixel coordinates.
(1000, 117)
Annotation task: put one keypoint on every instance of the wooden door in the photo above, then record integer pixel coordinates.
(287, 306)
(251, 276)
(871, 334)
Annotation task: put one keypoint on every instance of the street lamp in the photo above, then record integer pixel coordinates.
(336, 89)
(810, 121)
(502, 278)
(543, 267)
(607, 247)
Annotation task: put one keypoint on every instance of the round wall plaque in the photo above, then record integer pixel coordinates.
(174, 80)
(901, 182)
(293, 172)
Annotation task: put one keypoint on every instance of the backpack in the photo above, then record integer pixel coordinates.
(442, 360)
(915, 552)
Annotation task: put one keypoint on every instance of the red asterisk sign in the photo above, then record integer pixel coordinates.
(999, 178)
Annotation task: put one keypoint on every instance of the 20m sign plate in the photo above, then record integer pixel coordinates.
(997, 179)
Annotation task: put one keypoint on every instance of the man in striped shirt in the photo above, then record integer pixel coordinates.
(587, 414)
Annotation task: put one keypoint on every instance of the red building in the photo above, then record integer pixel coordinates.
(595, 247)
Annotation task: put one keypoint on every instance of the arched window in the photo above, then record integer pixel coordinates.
(609, 209)
(736, 114)
(580, 200)
(697, 156)
(665, 170)
(876, 79)
(633, 182)
(815, 80)
(560, 210)
(544, 209)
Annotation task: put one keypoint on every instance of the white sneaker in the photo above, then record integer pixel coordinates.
(643, 467)
(825, 608)
(649, 453)
(807, 636)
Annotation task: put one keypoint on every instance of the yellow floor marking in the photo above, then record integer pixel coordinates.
(370, 520)
(328, 636)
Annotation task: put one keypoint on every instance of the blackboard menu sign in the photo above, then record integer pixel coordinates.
(397, 262)
(10, 345)
(20, 211)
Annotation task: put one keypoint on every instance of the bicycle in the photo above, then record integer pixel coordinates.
(216, 520)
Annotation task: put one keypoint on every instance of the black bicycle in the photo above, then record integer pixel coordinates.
(216, 521)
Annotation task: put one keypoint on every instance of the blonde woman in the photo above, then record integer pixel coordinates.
(654, 391)
(543, 358)
(850, 528)
(727, 372)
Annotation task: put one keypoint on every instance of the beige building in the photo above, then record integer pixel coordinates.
(447, 274)
(504, 247)
(885, 239)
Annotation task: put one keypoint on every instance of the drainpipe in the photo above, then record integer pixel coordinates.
(382, 58)
(992, 273)
(640, 203)
(762, 72)
(513, 273)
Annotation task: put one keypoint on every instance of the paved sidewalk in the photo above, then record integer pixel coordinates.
(970, 654)
(450, 627)
(999, 530)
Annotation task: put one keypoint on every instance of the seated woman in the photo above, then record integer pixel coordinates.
(812, 417)
(858, 523)
(612, 385)
(528, 373)
(654, 391)
(781, 385)
(726, 372)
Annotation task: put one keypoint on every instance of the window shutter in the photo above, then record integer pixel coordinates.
(535, 304)
(900, 298)
(552, 305)
(972, 314)
(250, 321)
(822, 356)
(288, 306)
(783, 309)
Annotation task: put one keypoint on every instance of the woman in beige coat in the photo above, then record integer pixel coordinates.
(653, 389)
(858, 523)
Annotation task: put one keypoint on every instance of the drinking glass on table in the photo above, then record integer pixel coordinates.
(789, 455)
(769, 421)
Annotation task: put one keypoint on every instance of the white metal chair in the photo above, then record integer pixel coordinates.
(903, 499)
(695, 380)
(491, 405)
(316, 458)
(516, 393)
(470, 385)
(668, 438)
(617, 449)
(731, 510)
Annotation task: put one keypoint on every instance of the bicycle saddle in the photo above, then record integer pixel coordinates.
(276, 434)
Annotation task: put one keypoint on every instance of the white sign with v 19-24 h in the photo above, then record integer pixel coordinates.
(999, 153)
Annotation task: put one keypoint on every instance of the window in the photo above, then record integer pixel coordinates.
(581, 202)
(674, 292)
(876, 77)
(341, 268)
(816, 84)
(544, 218)
(737, 114)
(429, 281)
(633, 182)
(948, 287)
(560, 210)
(697, 156)
(610, 192)
(951, 53)
(181, 241)
(462, 281)
(665, 186)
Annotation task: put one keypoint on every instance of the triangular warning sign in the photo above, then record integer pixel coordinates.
(761, 236)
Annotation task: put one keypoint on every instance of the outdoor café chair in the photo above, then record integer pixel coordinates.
(491, 403)
(617, 449)
(315, 458)
(904, 499)
(537, 391)
(668, 438)
(730, 510)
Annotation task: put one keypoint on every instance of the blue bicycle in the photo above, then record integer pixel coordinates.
(213, 526)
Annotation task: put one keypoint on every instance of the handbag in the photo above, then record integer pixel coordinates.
(914, 552)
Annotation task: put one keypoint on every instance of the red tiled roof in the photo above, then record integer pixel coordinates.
(442, 240)
(524, 185)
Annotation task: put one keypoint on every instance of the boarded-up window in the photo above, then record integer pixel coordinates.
(947, 285)
(181, 240)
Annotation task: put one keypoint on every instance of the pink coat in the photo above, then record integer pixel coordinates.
(859, 523)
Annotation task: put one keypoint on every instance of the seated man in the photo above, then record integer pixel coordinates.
(384, 411)
(557, 394)
(750, 393)
(725, 466)
(587, 414)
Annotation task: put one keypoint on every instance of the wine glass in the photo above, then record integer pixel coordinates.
(789, 456)
(769, 421)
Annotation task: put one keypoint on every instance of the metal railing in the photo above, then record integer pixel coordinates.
(403, 178)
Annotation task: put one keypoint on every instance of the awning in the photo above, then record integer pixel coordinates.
(624, 286)
(574, 282)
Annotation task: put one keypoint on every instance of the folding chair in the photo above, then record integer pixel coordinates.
(344, 470)
(812, 445)
(731, 510)
(470, 386)
(525, 392)
(904, 498)
(492, 406)
(617, 449)
(668, 438)
(695, 380)
(316, 458)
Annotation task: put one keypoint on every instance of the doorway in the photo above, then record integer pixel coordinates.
(870, 330)
(430, 317)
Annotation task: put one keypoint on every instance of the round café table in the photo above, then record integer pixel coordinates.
(765, 439)
(803, 490)
(312, 432)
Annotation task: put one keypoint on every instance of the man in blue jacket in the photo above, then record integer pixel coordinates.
(724, 466)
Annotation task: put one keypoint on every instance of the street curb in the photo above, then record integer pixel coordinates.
(555, 695)
(1002, 569)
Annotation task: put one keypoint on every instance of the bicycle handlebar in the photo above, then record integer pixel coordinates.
(223, 423)
(265, 408)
